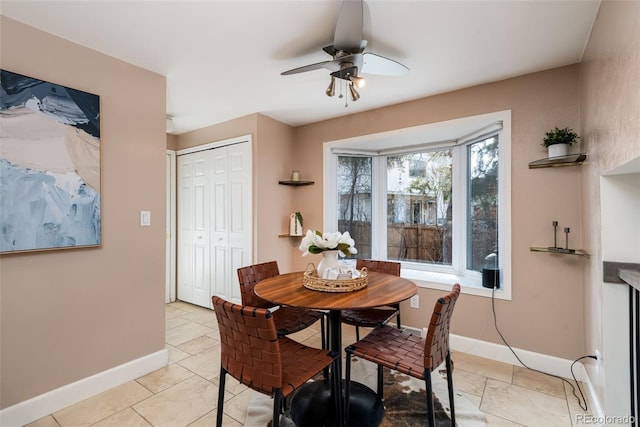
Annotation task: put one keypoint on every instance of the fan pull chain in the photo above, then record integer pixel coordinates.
(346, 98)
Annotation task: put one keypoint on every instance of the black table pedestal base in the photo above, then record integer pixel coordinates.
(312, 406)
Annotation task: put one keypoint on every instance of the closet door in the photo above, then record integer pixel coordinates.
(240, 218)
(214, 213)
(194, 230)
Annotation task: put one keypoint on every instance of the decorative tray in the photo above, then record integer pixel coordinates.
(312, 281)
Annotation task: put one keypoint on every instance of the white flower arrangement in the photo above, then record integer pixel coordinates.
(315, 242)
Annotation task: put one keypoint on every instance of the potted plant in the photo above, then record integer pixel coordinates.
(558, 141)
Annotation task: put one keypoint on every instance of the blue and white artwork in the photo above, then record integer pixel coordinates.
(49, 165)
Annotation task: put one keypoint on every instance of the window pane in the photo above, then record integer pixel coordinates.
(354, 201)
(419, 207)
(483, 202)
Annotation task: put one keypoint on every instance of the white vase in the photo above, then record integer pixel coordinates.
(557, 150)
(329, 260)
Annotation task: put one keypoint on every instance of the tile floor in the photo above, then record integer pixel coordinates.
(185, 392)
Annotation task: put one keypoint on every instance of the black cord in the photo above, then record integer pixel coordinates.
(495, 322)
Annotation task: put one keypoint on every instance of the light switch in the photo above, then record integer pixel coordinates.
(145, 218)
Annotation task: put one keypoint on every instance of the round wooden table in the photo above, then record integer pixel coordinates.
(312, 405)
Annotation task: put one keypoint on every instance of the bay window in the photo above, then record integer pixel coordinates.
(440, 208)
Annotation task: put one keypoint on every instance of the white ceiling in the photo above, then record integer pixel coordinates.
(223, 59)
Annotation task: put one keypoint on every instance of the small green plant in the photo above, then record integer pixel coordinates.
(299, 218)
(560, 136)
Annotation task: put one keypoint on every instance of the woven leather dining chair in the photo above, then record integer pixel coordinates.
(372, 317)
(410, 354)
(288, 319)
(255, 354)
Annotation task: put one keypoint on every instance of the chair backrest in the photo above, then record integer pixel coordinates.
(249, 345)
(388, 267)
(252, 274)
(436, 345)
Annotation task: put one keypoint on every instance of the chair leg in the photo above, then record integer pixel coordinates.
(430, 411)
(380, 382)
(357, 333)
(347, 387)
(223, 374)
(398, 320)
(323, 333)
(277, 408)
(450, 386)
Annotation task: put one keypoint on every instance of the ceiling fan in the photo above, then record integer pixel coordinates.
(349, 59)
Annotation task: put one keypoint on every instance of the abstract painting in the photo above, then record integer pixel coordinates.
(49, 165)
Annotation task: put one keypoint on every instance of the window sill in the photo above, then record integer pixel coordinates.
(444, 281)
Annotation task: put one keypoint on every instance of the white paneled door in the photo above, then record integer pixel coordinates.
(214, 217)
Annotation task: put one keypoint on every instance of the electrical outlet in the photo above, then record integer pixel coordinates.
(415, 301)
(598, 361)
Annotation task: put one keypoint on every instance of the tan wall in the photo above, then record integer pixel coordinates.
(275, 203)
(610, 88)
(69, 314)
(545, 314)
(246, 125)
(172, 142)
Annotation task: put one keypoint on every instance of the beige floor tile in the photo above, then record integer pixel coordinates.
(183, 333)
(236, 407)
(493, 421)
(314, 340)
(199, 344)
(164, 378)
(185, 306)
(468, 382)
(176, 355)
(181, 404)
(47, 421)
(479, 365)
(306, 333)
(206, 364)
(128, 418)
(172, 311)
(201, 316)
(232, 386)
(538, 381)
(103, 405)
(174, 322)
(209, 420)
(213, 324)
(524, 406)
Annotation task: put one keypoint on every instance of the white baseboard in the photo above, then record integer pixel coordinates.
(542, 362)
(37, 407)
(501, 353)
(595, 406)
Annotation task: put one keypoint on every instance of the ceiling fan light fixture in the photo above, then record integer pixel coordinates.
(358, 82)
(331, 90)
(354, 93)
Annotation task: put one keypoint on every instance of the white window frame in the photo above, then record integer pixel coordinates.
(457, 134)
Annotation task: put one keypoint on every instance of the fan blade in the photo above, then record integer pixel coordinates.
(348, 34)
(329, 65)
(376, 64)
